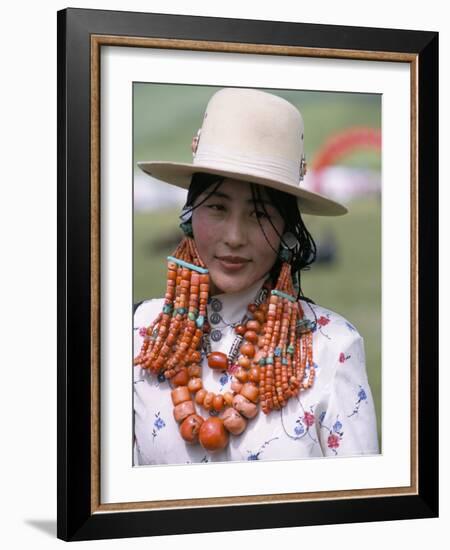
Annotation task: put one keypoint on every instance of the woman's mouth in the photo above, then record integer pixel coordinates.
(232, 263)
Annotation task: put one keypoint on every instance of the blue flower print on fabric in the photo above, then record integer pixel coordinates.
(158, 424)
(306, 421)
(299, 429)
(224, 379)
(337, 426)
(256, 456)
(362, 396)
(307, 370)
(321, 417)
(303, 424)
(335, 433)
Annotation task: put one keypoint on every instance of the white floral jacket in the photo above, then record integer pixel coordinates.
(335, 417)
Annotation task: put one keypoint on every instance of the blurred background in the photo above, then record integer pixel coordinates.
(342, 147)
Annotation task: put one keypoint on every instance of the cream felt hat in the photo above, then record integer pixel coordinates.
(254, 136)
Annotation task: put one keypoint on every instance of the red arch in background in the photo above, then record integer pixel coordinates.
(340, 144)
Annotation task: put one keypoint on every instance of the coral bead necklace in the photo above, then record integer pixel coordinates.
(268, 358)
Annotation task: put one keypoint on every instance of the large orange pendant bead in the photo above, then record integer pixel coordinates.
(212, 435)
(218, 360)
(190, 428)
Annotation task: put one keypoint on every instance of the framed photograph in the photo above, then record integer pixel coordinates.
(319, 415)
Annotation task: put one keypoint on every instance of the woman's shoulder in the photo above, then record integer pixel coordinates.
(147, 310)
(327, 319)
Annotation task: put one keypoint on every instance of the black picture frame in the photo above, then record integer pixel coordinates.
(81, 34)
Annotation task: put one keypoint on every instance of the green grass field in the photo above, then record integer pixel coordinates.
(351, 285)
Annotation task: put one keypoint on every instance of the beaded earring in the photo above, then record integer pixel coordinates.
(268, 359)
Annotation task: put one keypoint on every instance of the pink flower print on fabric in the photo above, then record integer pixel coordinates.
(333, 441)
(343, 358)
(323, 321)
(303, 425)
(308, 419)
(335, 433)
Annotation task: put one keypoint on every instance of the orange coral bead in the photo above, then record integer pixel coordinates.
(180, 394)
(254, 374)
(218, 403)
(218, 360)
(200, 396)
(228, 398)
(241, 374)
(253, 325)
(194, 371)
(195, 384)
(212, 435)
(248, 349)
(234, 422)
(183, 410)
(208, 401)
(251, 336)
(244, 361)
(190, 428)
(250, 391)
(195, 357)
(181, 378)
(259, 316)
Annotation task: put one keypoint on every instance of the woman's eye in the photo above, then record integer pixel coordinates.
(218, 207)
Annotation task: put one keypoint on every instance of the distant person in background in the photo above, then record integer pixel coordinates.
(234, 363)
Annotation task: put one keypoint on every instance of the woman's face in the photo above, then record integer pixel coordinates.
(229, 238)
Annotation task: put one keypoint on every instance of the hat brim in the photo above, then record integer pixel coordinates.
(180, 174)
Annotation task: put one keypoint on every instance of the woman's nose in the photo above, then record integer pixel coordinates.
(235, 234)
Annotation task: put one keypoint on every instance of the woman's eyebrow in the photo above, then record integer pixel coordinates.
(220, 195)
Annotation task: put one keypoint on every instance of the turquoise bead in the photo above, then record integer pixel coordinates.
(200, 321)
(191, 316)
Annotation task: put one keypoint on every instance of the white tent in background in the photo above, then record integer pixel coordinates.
(152, 194)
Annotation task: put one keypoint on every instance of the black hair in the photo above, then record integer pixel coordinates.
(304, 253)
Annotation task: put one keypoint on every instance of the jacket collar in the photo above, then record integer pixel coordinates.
(232, 306)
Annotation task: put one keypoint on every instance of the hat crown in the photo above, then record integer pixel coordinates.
(253, 136)
(250, 124)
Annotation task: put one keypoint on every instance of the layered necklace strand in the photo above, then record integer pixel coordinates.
(268, 358)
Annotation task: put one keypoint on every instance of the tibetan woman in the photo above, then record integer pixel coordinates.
(232, 364)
